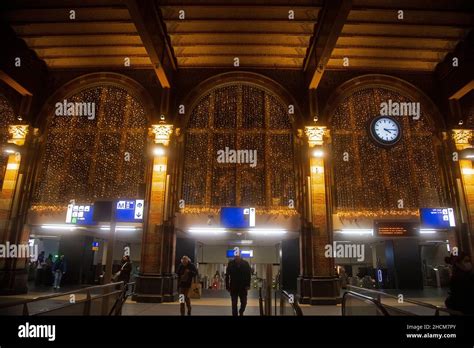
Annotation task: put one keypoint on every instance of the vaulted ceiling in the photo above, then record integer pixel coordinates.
(322, 34)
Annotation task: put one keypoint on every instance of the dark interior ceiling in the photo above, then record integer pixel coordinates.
(213, 33)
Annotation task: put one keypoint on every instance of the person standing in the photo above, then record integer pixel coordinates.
(39, 269)
(186, 272)
(461, 289)
(59, 269)
(125, 269)
(237, 282)
(48, 271)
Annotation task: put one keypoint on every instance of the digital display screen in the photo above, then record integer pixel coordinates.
(396, 228)
(237, 217)
(437, 218)
(243, 253)
(80, 214)
(129, 211)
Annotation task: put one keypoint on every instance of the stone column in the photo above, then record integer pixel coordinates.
(318, 283)
(156, 281)
(462, 158)
(13, 273)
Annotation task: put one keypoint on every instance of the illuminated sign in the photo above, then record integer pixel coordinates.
(80, 214)
(437, 218)
(130, 210)
(95, 246)
(231, 253)
(396, 228)
(237, 217)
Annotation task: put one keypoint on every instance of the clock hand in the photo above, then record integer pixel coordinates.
(389, 130)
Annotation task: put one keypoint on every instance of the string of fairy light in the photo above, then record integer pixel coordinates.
(238, 116)
(90, 159)
(373, 180)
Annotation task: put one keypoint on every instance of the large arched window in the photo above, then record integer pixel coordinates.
(239, 116)
(7, 117)
(385, 181)
(101, 158)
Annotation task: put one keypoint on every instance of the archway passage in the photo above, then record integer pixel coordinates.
(246, 117)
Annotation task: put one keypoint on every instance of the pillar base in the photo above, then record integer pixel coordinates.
(13, 282)
(319, 290)
(156, 288)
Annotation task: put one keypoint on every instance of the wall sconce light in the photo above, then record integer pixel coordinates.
(11, 149)
(467, 153)
(317, 152)
(159, 150)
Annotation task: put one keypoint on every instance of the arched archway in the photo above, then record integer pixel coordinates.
(386, 82)
(373, 181)
(99, 156)
(241, 112)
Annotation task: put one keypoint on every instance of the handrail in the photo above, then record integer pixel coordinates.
(122, 299)
(47, 297)
(87, 290)
(366, 298)
(260, 302)
(294, 304)
(415, 302)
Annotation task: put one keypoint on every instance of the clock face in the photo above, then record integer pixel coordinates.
(385, 130)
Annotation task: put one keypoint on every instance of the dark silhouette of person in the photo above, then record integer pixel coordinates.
(237, 282)
(461, 288)
(125, 270)
(186, 272)
(59, 269)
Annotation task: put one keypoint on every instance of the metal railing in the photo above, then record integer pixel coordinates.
(357, 304)
(288, 304)
(94, 300)
(392, 304)
(128, 291)
(285, 304)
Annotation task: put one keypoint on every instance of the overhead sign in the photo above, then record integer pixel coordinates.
(437, 218)
(396, 228)
(243, 253)
(237, 217)
(80, 214)
(130, 210)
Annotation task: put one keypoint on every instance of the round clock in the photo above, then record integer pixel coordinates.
(385, 130)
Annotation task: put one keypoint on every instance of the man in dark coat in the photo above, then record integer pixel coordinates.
(186, 272)
(237, 282)
(125, 270)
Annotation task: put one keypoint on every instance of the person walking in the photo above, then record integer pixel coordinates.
(461, 289)
(237, 282)
(186, 272)
(59, 269)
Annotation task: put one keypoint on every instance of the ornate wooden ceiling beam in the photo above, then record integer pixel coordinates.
(327, 31)
(145, 14)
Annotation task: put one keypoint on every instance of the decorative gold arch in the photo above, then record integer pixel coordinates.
(90, 147)
(87, 81)
(233, 77)
(208, 184)
(386, 82)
